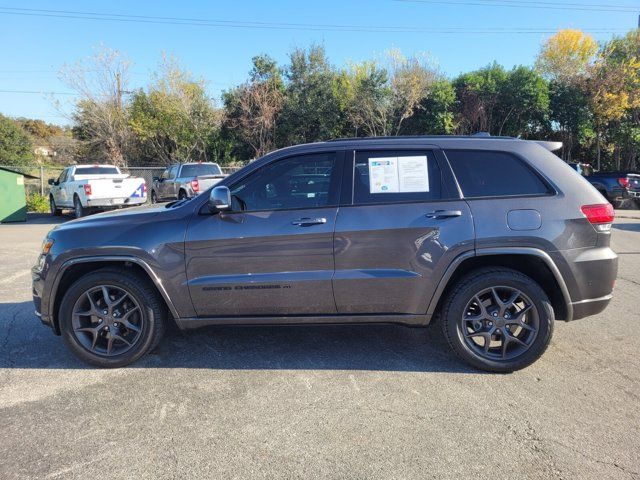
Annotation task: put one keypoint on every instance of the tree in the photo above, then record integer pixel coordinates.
(613, 85)
(411, 80)
(252, 109)
(523, 103)
(567, 55)
(39, 129)
(174, 119)
(569, 111)
(379, 99)
(101, 116)
(311, 110)
(16, 147)
(501, 102)
(259, 104)
(365, 97)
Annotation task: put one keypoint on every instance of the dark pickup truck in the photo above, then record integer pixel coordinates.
(617, 187)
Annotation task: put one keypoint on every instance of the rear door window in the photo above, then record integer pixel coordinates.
(395, 177)
(494, 174)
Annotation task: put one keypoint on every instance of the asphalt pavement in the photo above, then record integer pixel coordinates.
(356, 402)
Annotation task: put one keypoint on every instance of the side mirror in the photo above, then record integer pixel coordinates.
(155, 179)
(51, 181)
(220, 199)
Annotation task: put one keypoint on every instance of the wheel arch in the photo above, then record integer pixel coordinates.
(532, 262)
(76, 268)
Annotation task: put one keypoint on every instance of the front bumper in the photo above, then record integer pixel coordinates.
(37, 289)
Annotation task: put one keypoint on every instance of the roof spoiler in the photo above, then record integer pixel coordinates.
(551, 146)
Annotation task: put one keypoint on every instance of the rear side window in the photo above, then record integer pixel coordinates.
(494, 174)
(395, 177)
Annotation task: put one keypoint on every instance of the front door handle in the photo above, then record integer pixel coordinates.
(444, 214)
(306, 221)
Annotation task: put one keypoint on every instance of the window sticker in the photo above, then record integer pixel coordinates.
(398, 174)
(383, 175)
(413, 174)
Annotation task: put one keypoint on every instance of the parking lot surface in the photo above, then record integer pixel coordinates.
(319, 402)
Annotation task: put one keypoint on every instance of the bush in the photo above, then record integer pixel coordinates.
(37, 203)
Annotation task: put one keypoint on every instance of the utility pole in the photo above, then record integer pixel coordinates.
(118, 92)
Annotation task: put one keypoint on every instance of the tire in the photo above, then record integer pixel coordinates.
(617, 203)
(78, 210)
(154, 197)
(182, 195)
(55, 211)
(463, 331)
(149, 318)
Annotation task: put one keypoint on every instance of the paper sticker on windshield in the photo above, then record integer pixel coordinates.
(383, 175)
(398, 174)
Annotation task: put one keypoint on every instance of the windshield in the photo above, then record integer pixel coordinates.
(96, 171)
(200, 169)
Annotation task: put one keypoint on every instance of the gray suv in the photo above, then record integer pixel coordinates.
(494, 237)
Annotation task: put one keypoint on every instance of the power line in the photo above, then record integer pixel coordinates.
(533, 4)
(36, 92)
(85, 15)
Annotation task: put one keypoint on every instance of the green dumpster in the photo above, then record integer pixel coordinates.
(13, 202)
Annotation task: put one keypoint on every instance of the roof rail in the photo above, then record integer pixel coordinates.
(475, 136)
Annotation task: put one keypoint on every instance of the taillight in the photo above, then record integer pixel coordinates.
(195, 185)
(144, 187)
(600, 216)
(87, 189)
(624, 182)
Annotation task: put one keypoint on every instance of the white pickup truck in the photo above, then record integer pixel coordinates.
(95, 187)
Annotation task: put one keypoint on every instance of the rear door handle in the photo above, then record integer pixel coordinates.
(444, 214)
(306, 221)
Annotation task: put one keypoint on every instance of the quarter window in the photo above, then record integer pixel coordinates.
(494, 174)
(395, 176)
(306, 181)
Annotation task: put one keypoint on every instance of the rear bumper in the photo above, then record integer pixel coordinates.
(115, 203)
(589, 274)
(590, 306)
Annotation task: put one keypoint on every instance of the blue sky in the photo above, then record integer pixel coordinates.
(34, 47)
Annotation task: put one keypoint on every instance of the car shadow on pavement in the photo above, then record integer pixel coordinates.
(629, 227)
(26, 343)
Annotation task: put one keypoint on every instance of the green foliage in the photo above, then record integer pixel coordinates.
(174, 118)
(16, 147)
(311, 110)
(501, 102)
(585, 95)
(37, 203)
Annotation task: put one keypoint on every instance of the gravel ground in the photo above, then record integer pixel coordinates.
(318, 402)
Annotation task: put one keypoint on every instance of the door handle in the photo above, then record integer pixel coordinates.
(444, 214)
(306, 221)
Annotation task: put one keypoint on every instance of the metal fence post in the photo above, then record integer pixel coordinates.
(41, 180)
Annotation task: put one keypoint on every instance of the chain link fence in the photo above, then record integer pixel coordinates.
(37, 176)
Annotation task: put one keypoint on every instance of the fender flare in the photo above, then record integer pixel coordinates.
(109, 258)
(542, 255)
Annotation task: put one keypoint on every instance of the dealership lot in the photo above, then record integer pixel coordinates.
(333, 402)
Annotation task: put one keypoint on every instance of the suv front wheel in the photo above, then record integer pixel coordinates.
(498, 320)
(111, 317)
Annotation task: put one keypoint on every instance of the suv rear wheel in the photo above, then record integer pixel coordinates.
(498, 320)
(110, 318)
